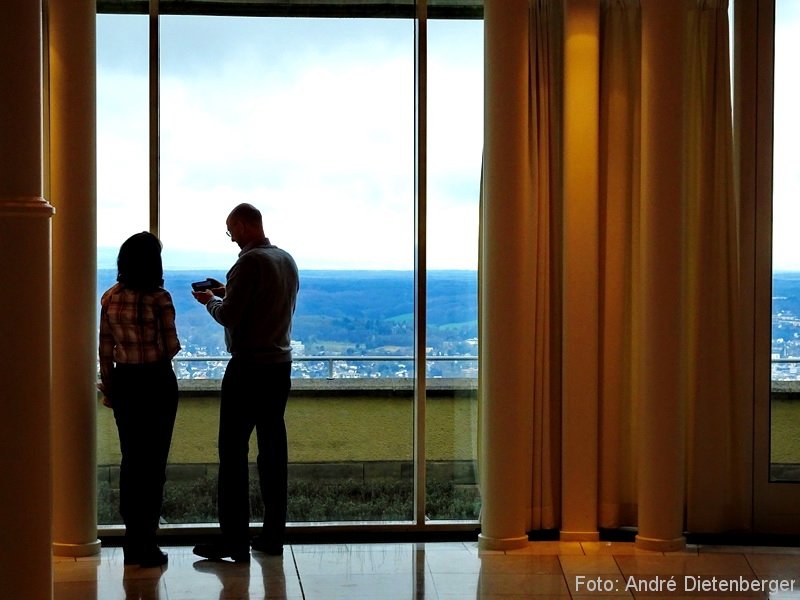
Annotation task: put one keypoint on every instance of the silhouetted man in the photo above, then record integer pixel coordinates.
(255, 306)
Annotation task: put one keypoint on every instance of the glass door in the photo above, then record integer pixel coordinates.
(777, 423)
(311, 121)
(309, 114)
(455, 146)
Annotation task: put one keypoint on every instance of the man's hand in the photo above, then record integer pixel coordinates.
(203, 297)
(218, 289)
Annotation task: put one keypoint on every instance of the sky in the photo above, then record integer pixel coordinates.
(312, 121)
(309, 120)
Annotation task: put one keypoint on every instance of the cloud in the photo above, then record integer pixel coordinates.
(312, 121)
(786, 174)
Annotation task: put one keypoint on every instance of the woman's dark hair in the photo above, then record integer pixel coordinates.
(139, 263)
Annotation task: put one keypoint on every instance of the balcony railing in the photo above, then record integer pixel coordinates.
(331, 360)
(785, 370)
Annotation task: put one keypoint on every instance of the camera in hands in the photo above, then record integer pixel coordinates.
(201, 286)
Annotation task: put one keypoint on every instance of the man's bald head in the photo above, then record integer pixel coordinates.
(247, 213)
(245, 225)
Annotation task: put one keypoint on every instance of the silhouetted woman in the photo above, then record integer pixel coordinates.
(137, 342)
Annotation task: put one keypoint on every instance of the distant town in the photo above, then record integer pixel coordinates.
(786, 326)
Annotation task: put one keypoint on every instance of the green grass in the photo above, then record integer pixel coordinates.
(309, 501)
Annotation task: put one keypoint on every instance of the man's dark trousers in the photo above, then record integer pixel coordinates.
(254, 396)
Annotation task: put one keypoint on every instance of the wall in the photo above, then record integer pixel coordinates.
(328, 421)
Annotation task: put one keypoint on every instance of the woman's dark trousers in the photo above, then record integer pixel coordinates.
(145, 401)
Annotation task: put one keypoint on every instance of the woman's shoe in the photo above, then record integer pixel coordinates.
(131, 559)
(132, 554)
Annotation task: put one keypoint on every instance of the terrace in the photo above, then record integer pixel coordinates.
(350, 446)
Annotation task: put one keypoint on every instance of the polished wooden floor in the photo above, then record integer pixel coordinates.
(445, 571)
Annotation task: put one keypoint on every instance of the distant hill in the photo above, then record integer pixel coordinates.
(352, 313)
(345, 312)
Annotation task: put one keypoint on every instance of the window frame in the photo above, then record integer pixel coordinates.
(420, 11)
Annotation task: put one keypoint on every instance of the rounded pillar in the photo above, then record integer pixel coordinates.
(661, 446)
(506, 284)
(73, 192)
(581, 273)
(25, 358)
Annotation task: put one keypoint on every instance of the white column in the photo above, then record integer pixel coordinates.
(73, 192)
(661, 444)
(25, 476)
(507, 282)
(581, 272)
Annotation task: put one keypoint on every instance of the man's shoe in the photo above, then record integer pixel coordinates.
(259, 544)
(153, 558)
(220, 552)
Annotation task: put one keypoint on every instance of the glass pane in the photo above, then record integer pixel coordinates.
(310, 120)
(122, 133)
(785, 405)
(122, 190)
(455, 146)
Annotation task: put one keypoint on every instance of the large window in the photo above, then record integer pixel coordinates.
(785, 406)
(312, 119)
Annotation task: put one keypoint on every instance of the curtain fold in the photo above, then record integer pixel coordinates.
(716, 411)
(716, 415)
(546, 82)
(619, 162)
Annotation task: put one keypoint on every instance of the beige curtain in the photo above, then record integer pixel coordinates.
(716, 411)
(618, 156)
(716, 415)
(546, 76)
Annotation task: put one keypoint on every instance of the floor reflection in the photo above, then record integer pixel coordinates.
(441, 571)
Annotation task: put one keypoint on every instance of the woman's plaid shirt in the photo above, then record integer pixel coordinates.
(135, 328)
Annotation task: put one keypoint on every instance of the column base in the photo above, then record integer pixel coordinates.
(579, 536)
(488, 543)
(76, 550)
(659, 545)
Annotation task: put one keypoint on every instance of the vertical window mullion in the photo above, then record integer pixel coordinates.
(420, 254)
(154, 110)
